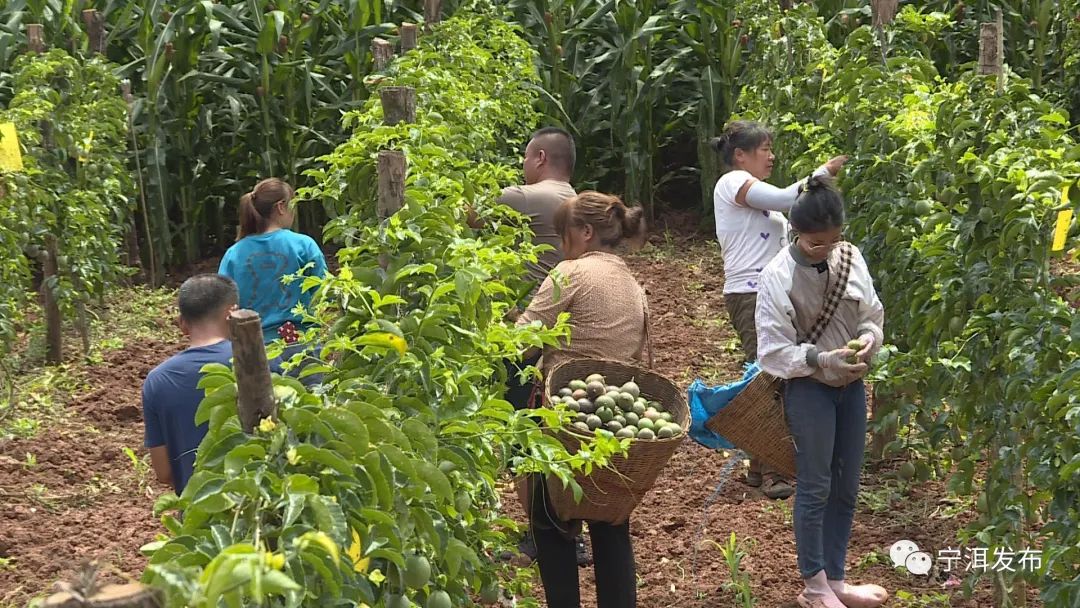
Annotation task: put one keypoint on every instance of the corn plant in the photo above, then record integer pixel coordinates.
(739, 584)
(714, 32)
(629, 78)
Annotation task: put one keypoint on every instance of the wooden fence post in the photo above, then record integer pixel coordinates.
(432, 13)
(992, 50)
(254, 388)
(408, 37)
(383, 53)
(87, 592)
(54, 337)
(399, 104)
(391, 170)
(95, 29)
(35, 37)
(883, 11)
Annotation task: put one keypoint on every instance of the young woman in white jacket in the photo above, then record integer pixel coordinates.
(816, 296)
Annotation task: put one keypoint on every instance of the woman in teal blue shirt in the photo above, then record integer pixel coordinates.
(268, 250)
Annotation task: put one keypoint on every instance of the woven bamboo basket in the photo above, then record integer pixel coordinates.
(754, 421)
(610, 494)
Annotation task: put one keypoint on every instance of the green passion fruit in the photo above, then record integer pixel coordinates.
(417, 571)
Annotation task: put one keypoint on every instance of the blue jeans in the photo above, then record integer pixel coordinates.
(829, 428)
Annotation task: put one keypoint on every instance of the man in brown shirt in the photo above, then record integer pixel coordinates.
(548, 167)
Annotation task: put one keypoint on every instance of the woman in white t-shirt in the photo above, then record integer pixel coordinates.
(752, 229)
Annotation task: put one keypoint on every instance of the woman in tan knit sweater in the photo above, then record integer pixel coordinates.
(608, 316)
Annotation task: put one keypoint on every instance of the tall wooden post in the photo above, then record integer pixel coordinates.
(35, 37)
(54, 338)
(87, 591)
(383, 53)
(992, 50)
(408, 37)
(254, 388)
(399, 104)
(883, 11)
(95, 29)
(391, 170)
(432, 13)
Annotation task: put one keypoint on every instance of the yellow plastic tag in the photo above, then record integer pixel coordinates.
(1062, 229)
(10, 155)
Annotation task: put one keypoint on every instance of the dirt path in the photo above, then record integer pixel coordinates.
(71, 493)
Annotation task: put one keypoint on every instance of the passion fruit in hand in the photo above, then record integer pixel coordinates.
(855, 345)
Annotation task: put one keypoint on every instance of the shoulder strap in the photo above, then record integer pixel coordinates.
(834, 295)
(648, 336)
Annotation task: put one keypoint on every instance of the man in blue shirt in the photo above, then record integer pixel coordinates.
(170, 394)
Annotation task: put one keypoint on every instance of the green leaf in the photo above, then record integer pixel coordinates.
(349, 427)
(423, 440)
(435, 479)
(399, 460)
(241, 455)
(373, 467)
(329, 518)
(224, 396)
(166, 502)
(310, 453)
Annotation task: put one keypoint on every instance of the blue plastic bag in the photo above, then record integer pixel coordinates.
(705, 401)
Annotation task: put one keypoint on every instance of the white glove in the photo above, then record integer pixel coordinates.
(837, 360)
(868, 345)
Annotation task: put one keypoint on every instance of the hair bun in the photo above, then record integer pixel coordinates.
(717, 143)
(818, 182)
(617, 208)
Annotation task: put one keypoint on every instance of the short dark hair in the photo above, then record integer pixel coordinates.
(819, 206)
(745, 135)
(205, 294)
(559, 146)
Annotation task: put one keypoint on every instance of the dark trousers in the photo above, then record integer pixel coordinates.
(613, 557)
(516, 393)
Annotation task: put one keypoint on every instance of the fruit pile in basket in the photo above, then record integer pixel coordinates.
(620, 411)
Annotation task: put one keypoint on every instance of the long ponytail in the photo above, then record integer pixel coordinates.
(257, 206)
(249, 218)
